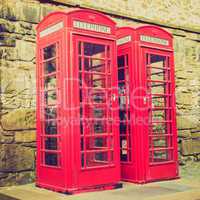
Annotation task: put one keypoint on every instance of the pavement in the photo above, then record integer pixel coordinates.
(185, 188)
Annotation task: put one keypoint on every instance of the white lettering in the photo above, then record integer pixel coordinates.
(155, 40)
(124, 40)
(91, 27)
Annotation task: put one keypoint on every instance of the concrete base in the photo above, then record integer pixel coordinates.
(173, 190)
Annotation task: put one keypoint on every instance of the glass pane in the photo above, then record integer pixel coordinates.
(80, 63)
(122, 127)
(156, 73)
(79, 48)
(87, 64)
(50, 83)
(109, 68)
(159, 142)
(81, 127)
(158, 115)
(160, 156)
(159, 128)
(50, 97)
(158, 101)
(82, 159)
(99, 112)
(94, 80)
(157, 61)
(96, 159)
(51, 143)
(99, 126)
(51, 127)
(50, 51)
(94, 50)
(50, 113)
(98, 97)
(122, 115)
(51, 159)
(97, 65)
(50, 66)
(96, 143)
(82, 144)
(121, 75)
(121, 61)
(124, 155)
(156, 88)
(122, 102)
(122, 88)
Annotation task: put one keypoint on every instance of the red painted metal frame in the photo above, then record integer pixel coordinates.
(141, 170)
(68, 176)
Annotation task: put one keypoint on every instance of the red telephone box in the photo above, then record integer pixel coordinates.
(148, 134)
(77, 130)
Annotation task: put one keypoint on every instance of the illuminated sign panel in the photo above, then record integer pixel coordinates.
(146, 38)
(91, 27)
(124, 40)
(51, 29)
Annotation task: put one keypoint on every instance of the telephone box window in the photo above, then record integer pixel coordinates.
(51, 143)
(50, 127)
(50, 52)
(51, 159)
(123, 84)
(160, 116)
(49, 108)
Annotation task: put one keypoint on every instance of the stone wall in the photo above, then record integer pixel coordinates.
(18, 19)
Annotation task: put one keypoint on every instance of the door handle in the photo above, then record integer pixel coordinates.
(113, 97)
(145, 100)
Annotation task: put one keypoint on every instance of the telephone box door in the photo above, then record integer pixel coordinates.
(160, 131)
(96, 104)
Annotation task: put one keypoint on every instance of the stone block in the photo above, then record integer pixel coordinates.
(186, 147)
(7, 40)
(14, 158)
(6, 26)
(19, 119)
(30, 144)
(30, 12)
(190, 146)
(184, 133)
(195, 134)
(25, 29)
(22, 11)
(26, 51)
(17, 85)
(184, 98)
(196, 146)
(6, 139)
(8, 53)
(3, 175)
(25, 136)
(46, 9)
(25, 177)
(187, 122)
(9, 179)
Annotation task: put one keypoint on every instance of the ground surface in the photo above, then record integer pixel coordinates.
(186, 188)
